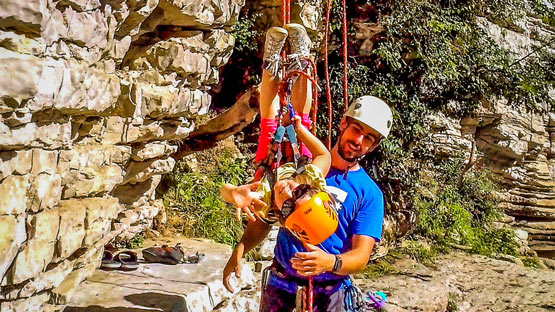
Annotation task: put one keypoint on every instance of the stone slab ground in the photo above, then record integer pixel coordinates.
(456, 281)
(160, 287)
(462, 282)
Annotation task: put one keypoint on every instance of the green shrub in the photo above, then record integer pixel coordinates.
(435, 56)
(490, 241)
(543, 11)
(195, 198)
(462, 214)
(419, 251)
(244, 32)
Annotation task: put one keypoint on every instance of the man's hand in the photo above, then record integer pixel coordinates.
(233, 265)
(245, 199)
(313, 262)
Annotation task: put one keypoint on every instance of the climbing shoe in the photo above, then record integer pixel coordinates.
(164, 254)
(299, 41)
(299, 44)
(275, 39)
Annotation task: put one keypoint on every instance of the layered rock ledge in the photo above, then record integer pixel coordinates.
(92, 95)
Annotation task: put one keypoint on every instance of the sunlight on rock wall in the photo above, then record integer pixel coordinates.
(91, 94)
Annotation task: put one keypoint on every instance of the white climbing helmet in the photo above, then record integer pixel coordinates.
(372, 112)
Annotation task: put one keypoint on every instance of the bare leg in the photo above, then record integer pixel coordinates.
(269, 105)
(269, 99)
(301, 95)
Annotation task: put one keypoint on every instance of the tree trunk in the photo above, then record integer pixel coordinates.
(241, 114)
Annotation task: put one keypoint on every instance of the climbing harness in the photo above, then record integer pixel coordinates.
(354, 300)
(277, 150)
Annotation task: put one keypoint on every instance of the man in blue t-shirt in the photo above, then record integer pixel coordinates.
(360, 216)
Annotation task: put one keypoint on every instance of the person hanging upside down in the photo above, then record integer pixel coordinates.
(287, 176)
(360, 214)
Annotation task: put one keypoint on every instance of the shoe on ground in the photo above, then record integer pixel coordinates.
(108, 263)
(128, 260)
(164, 254)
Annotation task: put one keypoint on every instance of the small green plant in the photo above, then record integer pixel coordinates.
(133, 243)
(417, 250)
(195, 198)
(531, 262)
(381, 267)
(452, 303)
(245, 34)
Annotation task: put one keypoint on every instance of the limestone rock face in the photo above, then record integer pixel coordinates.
(516, 146)
(309, 13)
(90, 93)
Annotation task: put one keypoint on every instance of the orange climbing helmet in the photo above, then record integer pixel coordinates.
(314, 220)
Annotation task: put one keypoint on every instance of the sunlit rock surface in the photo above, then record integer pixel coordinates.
(91, 93)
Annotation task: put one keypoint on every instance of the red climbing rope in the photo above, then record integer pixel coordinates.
(327, 73)
(282, 95)
(345, 63)
(326, 66)
(286, 11)
(284, 89)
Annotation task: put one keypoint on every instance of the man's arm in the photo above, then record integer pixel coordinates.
(254, 234)
(316, 261)
(356, 259)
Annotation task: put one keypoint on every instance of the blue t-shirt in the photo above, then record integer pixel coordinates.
(360, 212)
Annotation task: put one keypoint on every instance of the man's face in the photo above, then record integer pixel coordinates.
(356, 139)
